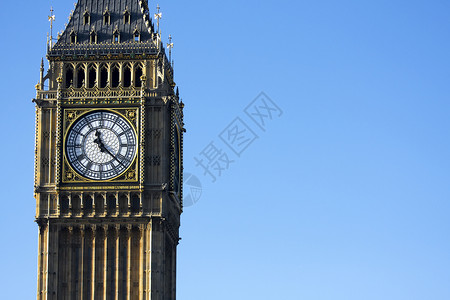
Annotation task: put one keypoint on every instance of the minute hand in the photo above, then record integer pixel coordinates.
(102, 147)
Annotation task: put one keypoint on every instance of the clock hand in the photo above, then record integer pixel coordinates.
(103, 148)
(98, 141)
(100, 144)
(113, 156)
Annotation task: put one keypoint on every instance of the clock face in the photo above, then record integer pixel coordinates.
(101, 145)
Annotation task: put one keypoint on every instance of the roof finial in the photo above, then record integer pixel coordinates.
(51, 18)
(158, 16)
(170, 46)
(41, 78)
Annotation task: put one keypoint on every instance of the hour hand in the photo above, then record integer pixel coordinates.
(98, 141)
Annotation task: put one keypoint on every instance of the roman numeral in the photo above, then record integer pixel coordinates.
(127, 145)
(122, 158)
(88, 166)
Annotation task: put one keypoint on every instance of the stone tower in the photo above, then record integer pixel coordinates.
(109, 158)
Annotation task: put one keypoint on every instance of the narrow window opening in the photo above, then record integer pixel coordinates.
(69, 77)
(93, 37)
(99, 205)
(111, 208)
(127, 77)
(87, 204)
(64, 205)
(103, 77)
(76, 205)
(92, 79)
(136, 35)
(86, 18)
(115, 77)
(73, 37)
(80, 78)
(135, 204)
(106, 17)
(137, 77)
(126, 17)
(123, 205)
(116, 36)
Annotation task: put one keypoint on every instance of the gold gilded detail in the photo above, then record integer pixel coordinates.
(131, 115)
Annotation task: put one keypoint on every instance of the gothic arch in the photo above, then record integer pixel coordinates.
(115, 76)
(138, 72)
(92, 75)
(103, 76)
(80, 76)
(127, 75)
(68, 76)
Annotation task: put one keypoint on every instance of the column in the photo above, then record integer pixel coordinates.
(128, 271)
(120, 65)
(116, 261)
(97, 80)
(142, 275)
(105, 261)
(86, 75)
(69, 261)
(40, 263)
(94, 235)
(53, 263)
(81, 263)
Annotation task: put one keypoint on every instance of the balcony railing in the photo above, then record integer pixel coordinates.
(99, 94)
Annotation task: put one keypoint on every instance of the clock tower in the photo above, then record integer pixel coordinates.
(109, 158)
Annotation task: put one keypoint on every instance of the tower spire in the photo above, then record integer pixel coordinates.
(51, 18)
(41, 78)
(170, 46)
(158, 16)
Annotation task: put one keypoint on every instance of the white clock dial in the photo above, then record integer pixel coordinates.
(101, 145)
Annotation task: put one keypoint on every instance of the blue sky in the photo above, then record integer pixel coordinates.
(346, 195)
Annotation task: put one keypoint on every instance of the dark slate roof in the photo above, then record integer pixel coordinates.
(139, 19)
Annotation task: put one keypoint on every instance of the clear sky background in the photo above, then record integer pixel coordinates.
(346, 195)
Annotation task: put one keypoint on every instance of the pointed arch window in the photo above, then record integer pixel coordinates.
(106, 17)
(127, 76)
(86, 17)
(137, 76)
(116, 36)
(115, 77)
(103, 77)
(92, 76)
(93, 36)
(80, 77)
(126, 16)
(69, 77)
(137, 35)
(73, 37)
